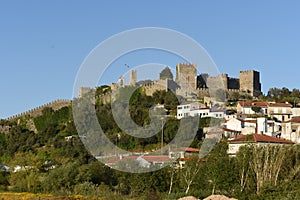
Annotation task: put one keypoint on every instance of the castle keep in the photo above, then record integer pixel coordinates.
(249, 82)
(186, 75)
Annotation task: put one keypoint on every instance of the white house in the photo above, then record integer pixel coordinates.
(241, 125)
(281, 111)
(247, 107)
(159, 160)
(260, 125)
(198, 110)
(254, 139)
(291, 130)
(296, 112)
(216, 113)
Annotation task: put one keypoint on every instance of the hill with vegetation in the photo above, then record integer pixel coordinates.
(44, 161)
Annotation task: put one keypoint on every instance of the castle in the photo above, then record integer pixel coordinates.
(188, 84)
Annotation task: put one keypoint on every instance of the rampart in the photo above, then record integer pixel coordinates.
(55, 105)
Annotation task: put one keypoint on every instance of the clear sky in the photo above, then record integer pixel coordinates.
(43, 43)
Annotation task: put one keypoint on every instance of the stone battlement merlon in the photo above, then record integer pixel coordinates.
(248, 71)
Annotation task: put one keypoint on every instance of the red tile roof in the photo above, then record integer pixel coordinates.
(248, 120)
(251, 104)
(264, 104)
(294, 120)
(152, 159)
(259, 138)
(190, 157)
(190, 149)
(281, 105)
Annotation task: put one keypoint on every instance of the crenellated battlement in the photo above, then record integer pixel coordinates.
(55, 105)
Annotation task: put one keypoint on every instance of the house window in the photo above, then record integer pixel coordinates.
(283, 110)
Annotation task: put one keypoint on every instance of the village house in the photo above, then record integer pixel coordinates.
(157, 160)
(177, 155)
(280, 111)
(248, 107)
(254, 139)
(236, 126)
(291, 130)
(183, 154)
(296, 112)
(196, 109)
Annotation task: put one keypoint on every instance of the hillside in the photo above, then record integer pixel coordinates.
(48, 161)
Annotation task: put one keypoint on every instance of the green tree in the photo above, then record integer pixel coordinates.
(219, 167)
(190, 171)
(256, 109)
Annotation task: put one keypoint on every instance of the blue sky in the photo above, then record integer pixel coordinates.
(43, 43)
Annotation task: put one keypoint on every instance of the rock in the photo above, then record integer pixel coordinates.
(188, 198)
(218, 197)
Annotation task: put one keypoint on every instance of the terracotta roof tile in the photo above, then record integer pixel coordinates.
(156, 158)
(248, 120)
(259, 138)
(190, 149)
(251, 104)
(281, 105)
(294, 120)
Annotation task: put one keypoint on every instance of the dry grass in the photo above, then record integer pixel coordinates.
(31, 196)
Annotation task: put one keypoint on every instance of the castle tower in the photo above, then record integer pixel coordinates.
(83, 90)
(133, 77)
(186, 76)
(250, 82)
(224, 79)
(121, 81)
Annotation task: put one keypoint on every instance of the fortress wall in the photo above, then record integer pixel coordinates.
(234, 83)
(55, 105)
(157, 85)
(202, 92)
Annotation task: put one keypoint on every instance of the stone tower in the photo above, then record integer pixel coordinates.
(83, 90)
(186, 76)
(133, 77)
(250, 82)
(121, 81)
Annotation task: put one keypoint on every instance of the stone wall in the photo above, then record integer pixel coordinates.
(165, 84)
(233, 83)
(55, 105)
(202, 92)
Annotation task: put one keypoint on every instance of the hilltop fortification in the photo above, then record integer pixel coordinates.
(55, 105)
